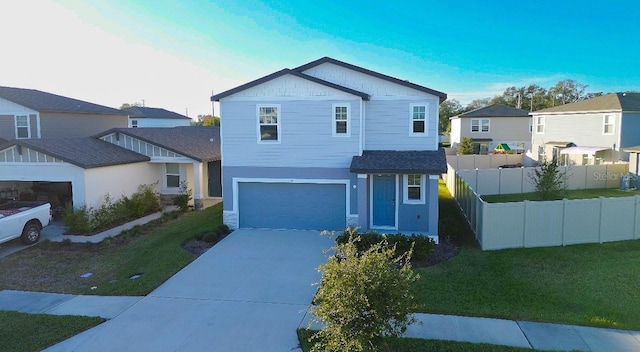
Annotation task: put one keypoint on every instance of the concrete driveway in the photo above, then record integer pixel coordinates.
(55, 229)
(248, 293)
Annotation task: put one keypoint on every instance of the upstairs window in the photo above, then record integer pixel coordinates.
(23, 129)
(540, 124)
(418, 119)
(173, 175)
(608, 124)
(341, 120)
(414, 189)
(268, 123)
(530, 125)
(134, 123)
(480, 125)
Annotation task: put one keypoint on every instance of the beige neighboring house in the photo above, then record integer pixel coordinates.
(142, 116)
(492, 127)
(33, 114)
(592, 131)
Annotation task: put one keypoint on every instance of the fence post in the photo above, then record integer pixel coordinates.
(524, 227)
(564, 217)
(635, 215)
(600, 222)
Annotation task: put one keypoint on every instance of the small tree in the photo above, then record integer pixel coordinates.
(465, 147)
(181, 200)
(363, 297)
(548, 179)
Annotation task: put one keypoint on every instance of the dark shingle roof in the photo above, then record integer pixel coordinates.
(443, 96)
(201, 143)
(154, 113)
(401, 162)
(42, 101)
(496, 110)
(85, 152)
(609, 102)
(281, 73)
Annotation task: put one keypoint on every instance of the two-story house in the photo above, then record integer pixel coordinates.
(330, 144)
(142, 116)
(592, 131)
(492, 126)
(30, 113)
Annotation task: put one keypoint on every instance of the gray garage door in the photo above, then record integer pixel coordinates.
(292, 205)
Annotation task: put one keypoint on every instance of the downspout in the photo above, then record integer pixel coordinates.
(362, 106)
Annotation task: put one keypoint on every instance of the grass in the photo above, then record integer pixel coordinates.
(569, 194)
(154, 254)
(422, 345)
(592, 284)
(21, 332)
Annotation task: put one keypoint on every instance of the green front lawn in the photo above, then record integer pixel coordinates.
(569, 194)
(21, 332)
(592, 284)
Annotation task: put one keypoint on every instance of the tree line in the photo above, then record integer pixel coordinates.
(531, 98)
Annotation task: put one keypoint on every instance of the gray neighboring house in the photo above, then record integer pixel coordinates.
(592, 131)
(142, 116)
(491, 126)
(30, 113)
(185, 153)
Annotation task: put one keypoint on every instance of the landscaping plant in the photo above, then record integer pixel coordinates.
(548, 180)
(363, 297)
(184, 196)
(465, 147)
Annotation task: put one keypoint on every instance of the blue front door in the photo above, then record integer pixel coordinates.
(384, 200)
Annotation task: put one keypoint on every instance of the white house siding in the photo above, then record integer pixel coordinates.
(580, 129)
(117, 180)
(387, 124)
(45, 171)
(456, 131)
(305, 134)
(151, 122)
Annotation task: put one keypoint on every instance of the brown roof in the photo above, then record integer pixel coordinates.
(609, 102)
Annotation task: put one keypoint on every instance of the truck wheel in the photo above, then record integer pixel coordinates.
(31, 233)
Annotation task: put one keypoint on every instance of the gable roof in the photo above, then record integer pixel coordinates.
(495, 110)
(154, 113)
(201, 143)
(281, 73)
(443, 96)
(401, 162)
(47, 102)
(85, 152)
(610, 102)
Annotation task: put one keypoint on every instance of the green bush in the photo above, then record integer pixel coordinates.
(211, 236)
(77, 220)
(223, 229)
(363, 297)
(422, 245)
(182, 199)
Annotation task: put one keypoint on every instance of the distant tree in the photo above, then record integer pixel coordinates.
(465, 147)
(567, 91)
(477, 104)
(127, 105)
(448, 109)
(207, 120)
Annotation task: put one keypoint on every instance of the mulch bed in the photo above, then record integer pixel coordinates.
(443, 251)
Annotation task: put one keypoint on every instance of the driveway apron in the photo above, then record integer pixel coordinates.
(247, 293)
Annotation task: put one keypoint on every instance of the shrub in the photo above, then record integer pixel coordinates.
(183, 197)
(465, 147)
(77, 220)
(223, 229)
(548, 180)
(211, 236)
(363, 296)
(422, 245)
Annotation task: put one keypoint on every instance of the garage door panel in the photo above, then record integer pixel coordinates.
(292, 205)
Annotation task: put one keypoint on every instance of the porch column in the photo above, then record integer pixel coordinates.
(197, 185)
(363, 202)
(433, 205)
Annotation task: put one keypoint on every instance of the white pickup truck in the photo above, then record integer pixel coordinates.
(24, 220)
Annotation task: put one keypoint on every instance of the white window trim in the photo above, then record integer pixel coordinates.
(426, 120)
(28, 126)
(612, 123)
(134, 123)
(405, 190)
(530, 125)
(480, 124)
(334, 122)
(538, 124)
(278, 123)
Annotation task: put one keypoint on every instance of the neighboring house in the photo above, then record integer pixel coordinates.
(188, 154)
(330, 144)
(592, 131)
(30, 113)
(492, 127)
(83, 170)
(141, 116)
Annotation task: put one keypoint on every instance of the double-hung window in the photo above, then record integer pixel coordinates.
(418, 119)
(608, 124)
(173, 175)
(539, 124)
(341, 120)
(23, 129)
(268, 123)
(414, 189)
(480, 125)
(134, 123)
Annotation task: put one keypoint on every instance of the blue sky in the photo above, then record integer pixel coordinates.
(175, 54)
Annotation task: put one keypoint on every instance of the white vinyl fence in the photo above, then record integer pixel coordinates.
(490, 161)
